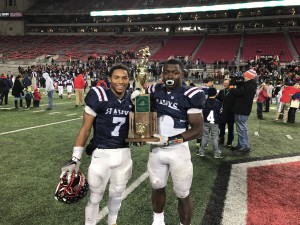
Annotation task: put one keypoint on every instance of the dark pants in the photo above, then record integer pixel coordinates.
(28, 102)
(267, 105)
(4, 97)
(292, 115)
(259, 110)
(230, 136)
(36, 103)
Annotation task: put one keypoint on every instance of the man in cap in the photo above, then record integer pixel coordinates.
(244, 94)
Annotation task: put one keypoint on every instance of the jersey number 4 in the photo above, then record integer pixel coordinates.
(211, 117)
(119, 121)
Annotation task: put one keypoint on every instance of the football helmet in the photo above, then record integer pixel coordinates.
(72, 190)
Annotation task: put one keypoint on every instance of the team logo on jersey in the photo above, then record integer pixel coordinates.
(172, 105)
(116, 112)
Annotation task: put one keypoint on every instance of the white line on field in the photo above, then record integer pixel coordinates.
(289, 137)
(273, 108)
(256, 133)
(54, 113)
(45, 125)
(43, 110)
(130, 189)
(72, 114)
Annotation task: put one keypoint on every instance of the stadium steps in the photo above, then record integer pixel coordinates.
(291, 46)
(198, 47)
(240, 51)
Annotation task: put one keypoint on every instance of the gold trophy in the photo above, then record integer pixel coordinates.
(142, 122)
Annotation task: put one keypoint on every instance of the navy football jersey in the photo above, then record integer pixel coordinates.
(212, 111)
(112, 121)
(175, 104)
(69, 82)
(60, 82)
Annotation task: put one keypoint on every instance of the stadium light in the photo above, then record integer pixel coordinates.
(248, 5)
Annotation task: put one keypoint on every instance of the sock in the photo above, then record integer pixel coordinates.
(112, 219)
(158, 216)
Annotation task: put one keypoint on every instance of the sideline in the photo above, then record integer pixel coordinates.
(45, 125)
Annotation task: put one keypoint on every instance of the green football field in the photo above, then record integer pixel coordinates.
(36, 143)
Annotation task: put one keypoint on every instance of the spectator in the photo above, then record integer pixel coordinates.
(28, 97)
(261, 99)
(244, 94)
(36, 97)
(17, 91)
(275, 92)
(212, 118)
(49, 90)
(5, 85)
(79, 85)
(295, 103)
(285, 101)
(179, 120)
(227, 115)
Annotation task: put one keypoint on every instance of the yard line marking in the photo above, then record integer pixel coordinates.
(54, 113)
(43, 110)
(256, 133)
(58, 103)
(130, 189)
(72, 114)
(289, 137)
(7, 108)
(45, 125)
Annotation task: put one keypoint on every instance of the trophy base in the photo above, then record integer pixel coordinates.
(150, 139)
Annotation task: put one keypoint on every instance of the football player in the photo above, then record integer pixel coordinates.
(179, 111)
(107, 111)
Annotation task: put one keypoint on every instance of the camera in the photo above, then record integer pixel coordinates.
(236, 80)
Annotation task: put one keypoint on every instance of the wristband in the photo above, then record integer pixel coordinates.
(77, 152)
(175, 139)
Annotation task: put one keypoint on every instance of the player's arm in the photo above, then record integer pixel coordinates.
(195, 121)
(85, 130)
(84, 133)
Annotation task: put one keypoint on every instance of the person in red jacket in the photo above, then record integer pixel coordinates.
(285, 101)
(261, 98)
(36, 97)
(79, 84)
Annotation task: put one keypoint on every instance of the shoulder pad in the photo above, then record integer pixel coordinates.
(190, 92)
(101, 93)
(151, 88)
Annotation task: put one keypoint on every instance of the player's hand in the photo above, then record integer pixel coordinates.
(72, 165)
(163, 141)
(135, 94)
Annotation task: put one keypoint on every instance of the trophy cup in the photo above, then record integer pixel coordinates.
(142, 122)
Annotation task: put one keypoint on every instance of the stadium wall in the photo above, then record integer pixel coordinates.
(12, 28)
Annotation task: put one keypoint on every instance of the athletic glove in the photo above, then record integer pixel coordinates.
(163, 141)
(73, 164)
(166, 141)
(134, 95)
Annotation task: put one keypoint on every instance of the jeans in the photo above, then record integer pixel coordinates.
(50, 99)
(242, 131)
(214, 130)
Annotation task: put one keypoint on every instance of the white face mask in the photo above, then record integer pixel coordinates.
(169, 82)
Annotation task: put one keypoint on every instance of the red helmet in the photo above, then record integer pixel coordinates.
(72, 191)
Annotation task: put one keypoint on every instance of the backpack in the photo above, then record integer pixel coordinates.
(26, 81)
